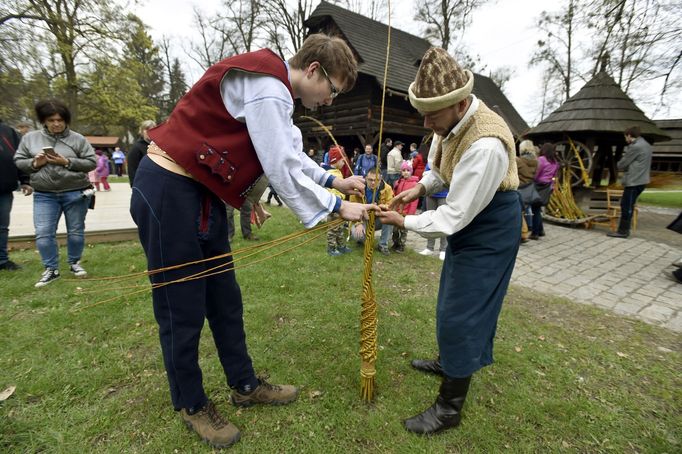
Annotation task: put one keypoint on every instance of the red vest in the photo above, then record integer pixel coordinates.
(203, 138)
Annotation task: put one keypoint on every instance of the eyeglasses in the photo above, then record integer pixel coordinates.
(334, 90)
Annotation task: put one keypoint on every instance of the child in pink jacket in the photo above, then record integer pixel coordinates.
(406, 181)
(102, 170)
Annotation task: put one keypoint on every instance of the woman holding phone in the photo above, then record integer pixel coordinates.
(58, 161)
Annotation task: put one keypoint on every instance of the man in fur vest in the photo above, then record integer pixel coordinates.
(472, 154)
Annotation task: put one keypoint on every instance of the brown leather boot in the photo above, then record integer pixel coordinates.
(211, 427)
(266, 393)
(446, 412)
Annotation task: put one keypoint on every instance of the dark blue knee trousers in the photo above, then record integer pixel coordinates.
(180, 221)
(476, 272)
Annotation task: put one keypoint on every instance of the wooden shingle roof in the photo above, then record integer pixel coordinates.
(673, 147)
(369, 39)
(600, 106)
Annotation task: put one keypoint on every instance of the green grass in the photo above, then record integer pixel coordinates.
(567, 378)
(661, 199)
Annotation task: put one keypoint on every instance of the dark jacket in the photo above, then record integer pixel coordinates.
(135, 155)
(9, 173)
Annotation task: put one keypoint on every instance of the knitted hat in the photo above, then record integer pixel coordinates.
(406, 166)
(335, 154)
(440, 82)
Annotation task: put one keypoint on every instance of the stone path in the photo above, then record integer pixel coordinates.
(588, 267)
(582, 265)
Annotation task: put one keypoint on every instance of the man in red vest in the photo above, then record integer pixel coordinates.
(226, 139)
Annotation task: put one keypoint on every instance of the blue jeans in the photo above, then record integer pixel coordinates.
(5, 208)
(536, 222)
(386, 232)
(627, 206)
(47, 209)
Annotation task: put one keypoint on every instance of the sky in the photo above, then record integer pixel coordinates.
(502, 33)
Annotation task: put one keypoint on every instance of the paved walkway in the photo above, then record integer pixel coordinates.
(582, 265)
(588, 267)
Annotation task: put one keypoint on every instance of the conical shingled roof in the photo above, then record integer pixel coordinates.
(599, 107)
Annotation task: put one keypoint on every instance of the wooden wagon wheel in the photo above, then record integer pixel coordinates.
(579, 168)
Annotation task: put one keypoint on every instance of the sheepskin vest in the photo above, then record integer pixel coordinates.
(483, 123)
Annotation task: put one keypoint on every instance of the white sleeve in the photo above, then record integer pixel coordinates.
(475, 180)
(310, 168)
(265, 105)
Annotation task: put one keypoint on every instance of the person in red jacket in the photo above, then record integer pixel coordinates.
(225, 140)
(406, 181)
(418, 161)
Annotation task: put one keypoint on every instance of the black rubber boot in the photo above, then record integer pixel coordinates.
(446, 412)
(431, 366)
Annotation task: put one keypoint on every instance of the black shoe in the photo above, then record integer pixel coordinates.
(542, 233)
(47, 277)
(618, 235)
(446, 412)
(10, 266)
(431, 366)
(672, 275)
(534, 236)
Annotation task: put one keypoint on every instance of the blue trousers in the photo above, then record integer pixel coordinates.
(627, 206)
(6, 200)
(180, 221)
(47, 209)
(478, 265)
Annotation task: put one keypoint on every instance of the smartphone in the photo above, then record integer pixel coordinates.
(50, 152)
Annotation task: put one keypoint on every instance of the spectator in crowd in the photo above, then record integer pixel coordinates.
(432, 202)
(385, 149)
(119, 159)
(272, 193)
(23, 128)
(10, 175)
(312, 154)
(406, 182)
(366, 161)
(527, 165)
(384, 194)
(336, 236)
(102, 170)
(676, 274)
(545, 176)
(395, 160)
(58, 161)
(636, 167)
(418, 162)
(139, 149)
(245, 213)
(356, 156)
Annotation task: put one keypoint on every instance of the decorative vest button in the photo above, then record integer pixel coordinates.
(201, 156)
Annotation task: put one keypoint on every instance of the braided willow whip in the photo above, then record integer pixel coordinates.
(368, 318)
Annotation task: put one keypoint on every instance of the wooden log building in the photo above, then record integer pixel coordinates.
(354, 117)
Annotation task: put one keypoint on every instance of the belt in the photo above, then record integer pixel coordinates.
(162, 159)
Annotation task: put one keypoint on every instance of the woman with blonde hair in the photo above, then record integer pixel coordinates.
(139, 149)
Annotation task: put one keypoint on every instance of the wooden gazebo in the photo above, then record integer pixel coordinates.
(590, 124)
(354, 118)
